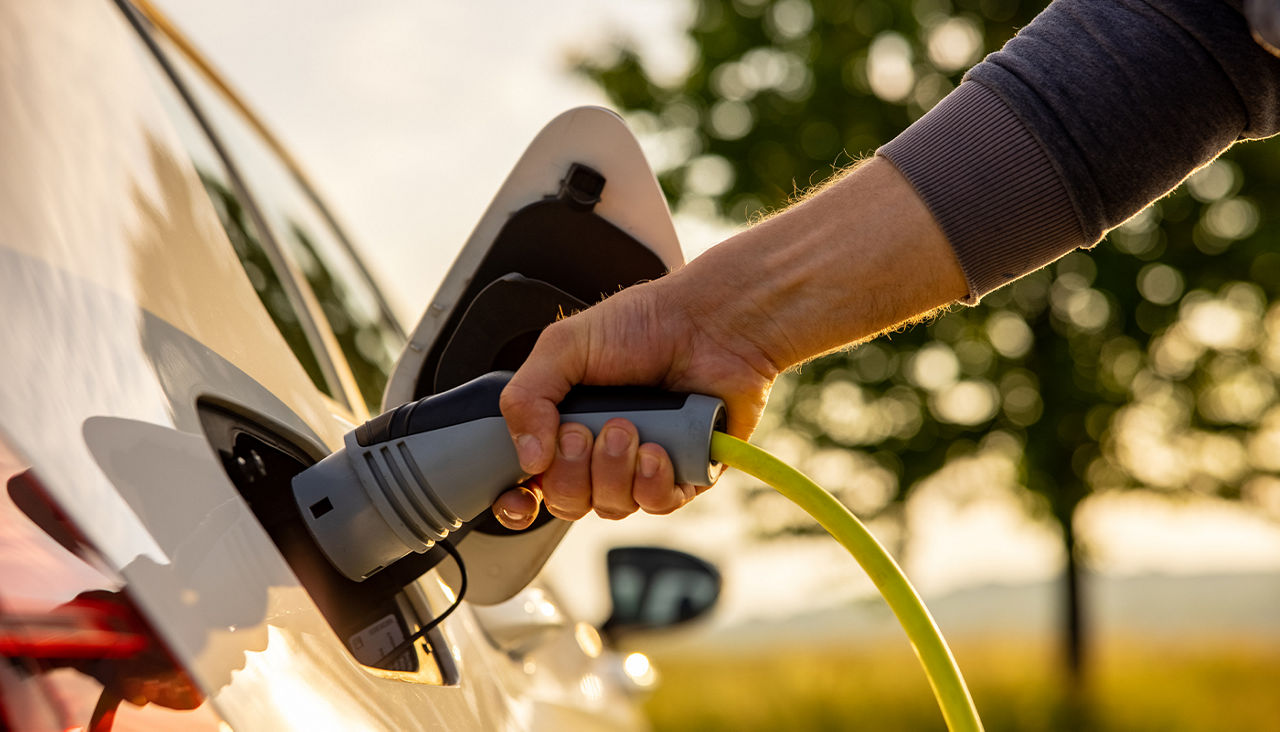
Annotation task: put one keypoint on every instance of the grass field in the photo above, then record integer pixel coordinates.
(1170, 686)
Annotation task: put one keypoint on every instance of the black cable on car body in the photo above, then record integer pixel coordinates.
(407, 643)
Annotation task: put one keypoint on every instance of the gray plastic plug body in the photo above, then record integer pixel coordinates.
(407, 478)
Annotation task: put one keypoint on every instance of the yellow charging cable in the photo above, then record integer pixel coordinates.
(939, 665)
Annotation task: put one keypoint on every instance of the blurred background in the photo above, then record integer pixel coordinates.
(1081, 475)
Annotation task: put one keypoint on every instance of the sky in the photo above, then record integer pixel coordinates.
(408, 114)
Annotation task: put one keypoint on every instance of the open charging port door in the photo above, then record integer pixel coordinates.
(580, 217)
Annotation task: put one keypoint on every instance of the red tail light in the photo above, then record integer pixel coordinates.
(75, 654)
(85, 628)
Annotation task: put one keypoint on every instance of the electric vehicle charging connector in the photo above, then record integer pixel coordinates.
(407, 478)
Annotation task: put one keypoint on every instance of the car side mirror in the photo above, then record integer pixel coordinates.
(654, 588)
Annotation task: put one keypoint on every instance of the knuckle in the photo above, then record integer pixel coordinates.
(615, 501)
(556, 333)
(515, 401)
(565, 491)
(568, 513)
(655, 499)
(556, 338)
(509, 401)
(565, 496)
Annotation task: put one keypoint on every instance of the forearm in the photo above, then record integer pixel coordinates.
(862, 256)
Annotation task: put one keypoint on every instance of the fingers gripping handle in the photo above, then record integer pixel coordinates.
(681, 423)
(407, 478)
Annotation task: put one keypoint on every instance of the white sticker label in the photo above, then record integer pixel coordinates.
(377, 640)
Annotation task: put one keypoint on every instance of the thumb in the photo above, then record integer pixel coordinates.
(528, 402)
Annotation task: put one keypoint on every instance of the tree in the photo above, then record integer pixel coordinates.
(1149, 363)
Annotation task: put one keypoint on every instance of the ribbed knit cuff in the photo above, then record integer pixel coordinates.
(990, 185)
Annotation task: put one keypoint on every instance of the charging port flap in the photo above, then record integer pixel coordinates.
(580, 217)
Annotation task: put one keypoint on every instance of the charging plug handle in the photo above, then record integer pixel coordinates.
(408, 477)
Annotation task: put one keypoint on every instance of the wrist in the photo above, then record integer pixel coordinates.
(717, 296)
(861, 256)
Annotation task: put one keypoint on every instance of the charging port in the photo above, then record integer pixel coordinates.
(370, 617)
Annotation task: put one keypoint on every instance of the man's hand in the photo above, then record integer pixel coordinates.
(650, 334)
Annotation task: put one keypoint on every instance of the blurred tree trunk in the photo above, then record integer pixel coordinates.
(1073, 638)
(1074, 712)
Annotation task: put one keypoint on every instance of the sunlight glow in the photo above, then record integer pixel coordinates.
(1088, 309)
(1264, 443)
(592, 688)
(1221, 457)
(1160, 284)
(955, 44)
(1219, 325)
(1132, 532)
(934, 367)
(1009, 334)
(588, 639)
(296, 687)
(790, 19)
(1144, 446)
(1174, 354)
(638, 668)
(1238, 393)
(967, 402)
(1231, 218)
(709, 175)
(889, 70)
(1264, 492)
(731, 120)
(859, 481)
(845, 413)
(1214, 181)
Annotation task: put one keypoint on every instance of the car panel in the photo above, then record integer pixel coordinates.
(126, 307)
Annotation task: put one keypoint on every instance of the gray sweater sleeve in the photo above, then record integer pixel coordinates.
(1092, 111)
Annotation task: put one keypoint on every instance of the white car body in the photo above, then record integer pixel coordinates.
(147, 386)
